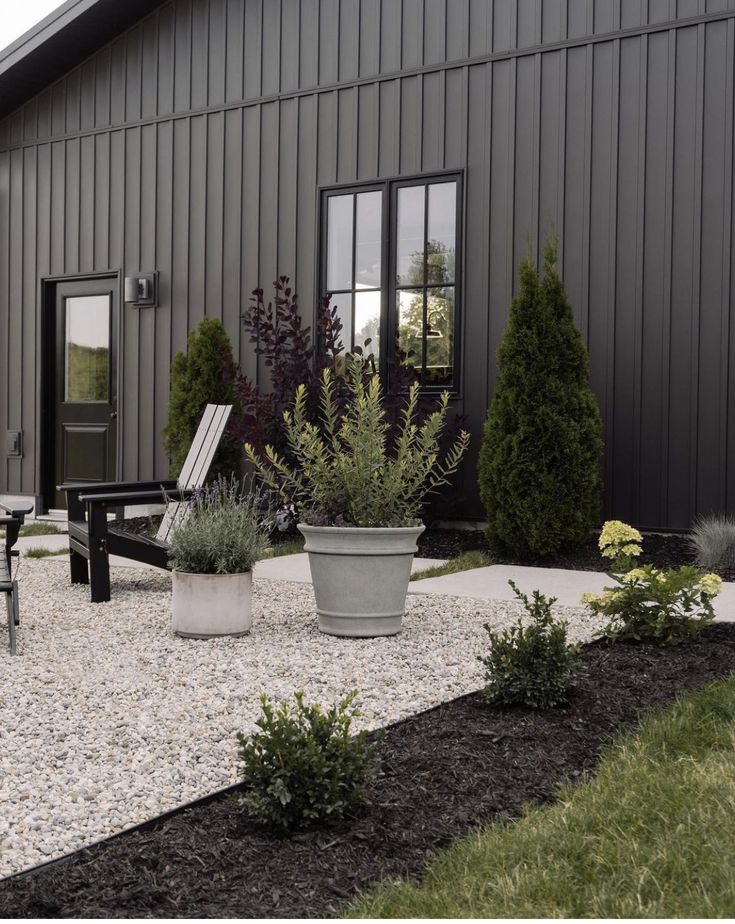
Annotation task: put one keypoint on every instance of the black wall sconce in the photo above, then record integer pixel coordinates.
(141, 290)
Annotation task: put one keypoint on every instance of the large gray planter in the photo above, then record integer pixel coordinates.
(360, 577)
(212, 605)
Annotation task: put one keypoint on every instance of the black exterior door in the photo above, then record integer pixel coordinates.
(84, 401)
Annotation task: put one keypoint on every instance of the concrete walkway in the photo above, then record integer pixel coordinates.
(489, 583)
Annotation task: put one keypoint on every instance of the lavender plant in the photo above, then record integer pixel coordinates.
(225, 531)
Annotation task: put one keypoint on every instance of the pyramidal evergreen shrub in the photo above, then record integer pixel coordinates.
(539, 465)
(203, 375)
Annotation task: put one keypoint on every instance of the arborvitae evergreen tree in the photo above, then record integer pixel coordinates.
(539, 466)
(203, 375)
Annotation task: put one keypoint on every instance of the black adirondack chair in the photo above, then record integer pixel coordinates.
(92, 538)
(12, 519)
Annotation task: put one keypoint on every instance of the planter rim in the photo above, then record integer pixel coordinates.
(212, 573)
(362, 530)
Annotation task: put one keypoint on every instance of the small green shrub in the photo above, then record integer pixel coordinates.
(539, 464)
(351, 470)
(530, 665)
(713, 543)
(225, 532)
(303, 767)
(40, 552)
(665, 607)
(203, 375)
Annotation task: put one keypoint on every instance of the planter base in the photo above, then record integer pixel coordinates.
(359, 625)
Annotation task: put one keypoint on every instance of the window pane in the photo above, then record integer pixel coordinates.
(442, 225)
(439, 336)
(411, 325)
(339, 242)
(87, 372)
(367, 322)
(368, 240)
(343, 304)
(410, 241)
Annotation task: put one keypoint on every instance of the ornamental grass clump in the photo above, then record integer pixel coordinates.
(530, 665)
(713, 543)
(665, 607)
(303, 767)
(225, 531)
(352, 468)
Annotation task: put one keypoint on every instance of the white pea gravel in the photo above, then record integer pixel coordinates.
(107, 719)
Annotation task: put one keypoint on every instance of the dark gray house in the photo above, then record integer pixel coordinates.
(160, 160)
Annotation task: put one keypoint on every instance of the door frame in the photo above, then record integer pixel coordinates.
(45, 426)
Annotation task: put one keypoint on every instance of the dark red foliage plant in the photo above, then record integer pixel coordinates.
(290, 354)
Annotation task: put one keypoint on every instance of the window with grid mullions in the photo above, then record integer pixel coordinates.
(390, 267)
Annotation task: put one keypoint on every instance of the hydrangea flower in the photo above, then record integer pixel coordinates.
(617, 538)
(637, 574)
(711, 585)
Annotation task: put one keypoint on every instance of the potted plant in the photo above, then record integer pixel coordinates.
(212, 553)
(358, 487)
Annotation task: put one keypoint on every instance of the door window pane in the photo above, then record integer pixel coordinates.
(339, 242)
(368, 240)
(441, 233)
(410, 236)
(367, 322)
(87, 348)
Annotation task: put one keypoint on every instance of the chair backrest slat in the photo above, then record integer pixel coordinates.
(198, 460)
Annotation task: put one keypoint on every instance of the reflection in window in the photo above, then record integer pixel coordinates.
(87, 348)
(354, 270)
(425, 279)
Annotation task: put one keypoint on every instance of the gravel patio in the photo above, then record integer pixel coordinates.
(107, 719)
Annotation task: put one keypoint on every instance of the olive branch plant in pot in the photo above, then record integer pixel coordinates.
(212, 550)
(358, 486)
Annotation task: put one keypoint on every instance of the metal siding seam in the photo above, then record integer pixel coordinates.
(666, 281)
(536, 178)
(511, 187)
(587, 191)
(696, 276)
(639, 271)
(726, 266)
(612, 265)
(561, 159)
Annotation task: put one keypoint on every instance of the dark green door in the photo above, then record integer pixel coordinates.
(85, 399)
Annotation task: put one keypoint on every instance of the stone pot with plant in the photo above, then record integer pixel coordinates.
(212, 553)
(359, 485)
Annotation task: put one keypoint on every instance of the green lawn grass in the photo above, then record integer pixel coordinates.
(39, 529)
(650, 835)
(463, 562)
(38, 552)
(292, 547)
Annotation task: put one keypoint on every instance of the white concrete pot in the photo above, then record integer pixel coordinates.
(209, 605)
(360, 577)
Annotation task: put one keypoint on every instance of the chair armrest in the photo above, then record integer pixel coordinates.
(127, 499)
(107, 487)
(16, 512)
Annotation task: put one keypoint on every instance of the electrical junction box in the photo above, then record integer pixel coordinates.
(14, 446)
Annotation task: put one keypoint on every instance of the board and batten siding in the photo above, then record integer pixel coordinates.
(195, 143)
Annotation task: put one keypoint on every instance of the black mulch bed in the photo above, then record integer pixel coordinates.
(441, 773)
(661, 550)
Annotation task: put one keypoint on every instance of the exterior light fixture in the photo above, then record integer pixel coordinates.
(141, 290)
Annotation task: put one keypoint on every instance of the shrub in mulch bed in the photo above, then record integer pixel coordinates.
(440, 774)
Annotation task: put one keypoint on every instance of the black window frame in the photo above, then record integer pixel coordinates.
(389, 288)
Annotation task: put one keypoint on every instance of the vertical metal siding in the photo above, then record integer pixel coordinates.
(194, 144)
